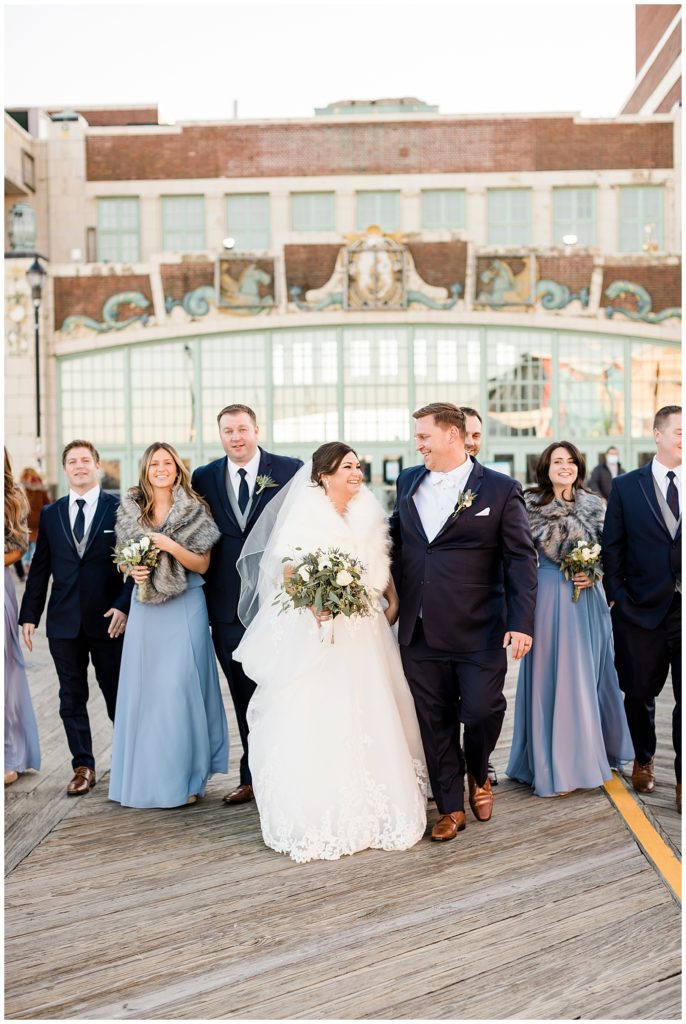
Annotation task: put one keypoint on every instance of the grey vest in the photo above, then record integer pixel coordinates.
(671, 523)
(241, 517)
(83, 543)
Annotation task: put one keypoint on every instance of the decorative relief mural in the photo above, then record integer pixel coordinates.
(18, 311)
(110, 314)
(506, 281)
(244, 286)
(375, 270)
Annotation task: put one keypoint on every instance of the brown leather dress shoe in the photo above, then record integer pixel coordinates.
(480, 799)
(83, 781)
(240, 795)
(678, 797)
(448, 826)
(643, 776)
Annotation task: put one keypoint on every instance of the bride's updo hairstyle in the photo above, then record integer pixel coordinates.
(328, 458)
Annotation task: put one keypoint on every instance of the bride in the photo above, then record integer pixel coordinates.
(335, 751)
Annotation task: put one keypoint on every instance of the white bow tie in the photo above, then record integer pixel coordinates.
(445, 481)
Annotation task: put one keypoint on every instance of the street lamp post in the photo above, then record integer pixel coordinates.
(35, 274)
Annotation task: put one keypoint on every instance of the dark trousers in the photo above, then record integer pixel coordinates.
(226, 637)
(449, 689)
(644, 658)
(71, 662)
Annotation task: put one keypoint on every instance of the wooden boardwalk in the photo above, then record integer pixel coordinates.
(548, 911)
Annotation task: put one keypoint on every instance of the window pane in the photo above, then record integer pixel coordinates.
(234, 369)
(183, 223)
(591, 373)
(519, 383)
(375, 385)
(443, 209)
(247, 221)
(641, 218)
(313, 211)
(447, 365)
(574, 213)
(118, 231)
(92, 390)
(382, 208)
(509, 216)
(655, 381)
(305, 394)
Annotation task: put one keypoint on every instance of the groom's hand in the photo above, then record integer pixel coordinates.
(521, 644)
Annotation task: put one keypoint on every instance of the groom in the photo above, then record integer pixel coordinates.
(464, 565)
(237, 489)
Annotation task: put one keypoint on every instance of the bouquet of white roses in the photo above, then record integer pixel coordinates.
(328, 580)
(131, 553)
(584, 557)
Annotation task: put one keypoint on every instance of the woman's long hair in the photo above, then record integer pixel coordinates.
(544, 485)
(143, 493)
(328, 458)
(16, 510)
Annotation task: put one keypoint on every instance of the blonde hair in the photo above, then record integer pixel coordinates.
(16, 511)
(445, 414)
(144, 495)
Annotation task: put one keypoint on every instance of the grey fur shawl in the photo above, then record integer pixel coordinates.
(557, 527)
(188, 523)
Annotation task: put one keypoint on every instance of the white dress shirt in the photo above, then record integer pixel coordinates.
(250, 468)
(660, 475)
(437, 496)
(91, 499)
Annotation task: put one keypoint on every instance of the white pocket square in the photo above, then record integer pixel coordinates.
(483, 512)
(108, 531)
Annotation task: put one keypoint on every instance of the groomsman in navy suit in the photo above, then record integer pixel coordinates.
(89, 600)
(464, 565)
(237, 488)
(642, 560)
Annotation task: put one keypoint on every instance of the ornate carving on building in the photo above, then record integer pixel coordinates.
(21, 228)
(245, 286)
(636, 303)
(110, 314)
(375, 270)
(504, 281)
(18, 319)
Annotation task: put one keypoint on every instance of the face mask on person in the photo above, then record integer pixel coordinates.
(612, 460)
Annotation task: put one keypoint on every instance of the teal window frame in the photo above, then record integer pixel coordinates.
(640, 205)
(380, 207)
(183, 223)
(313, 211)
(248, 221)
(118, 229)
(508, 222)
(443, 208)
(575, 213)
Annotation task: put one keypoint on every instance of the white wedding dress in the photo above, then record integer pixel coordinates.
(335, 752)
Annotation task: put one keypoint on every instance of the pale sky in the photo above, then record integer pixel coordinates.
(284, 59)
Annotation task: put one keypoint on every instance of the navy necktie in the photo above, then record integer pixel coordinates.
(80, 521)
(243, 492)
(672, 494)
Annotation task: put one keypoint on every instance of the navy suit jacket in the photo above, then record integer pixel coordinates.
(83, 589)
(640, 559)
(477, 578)
(222, 582)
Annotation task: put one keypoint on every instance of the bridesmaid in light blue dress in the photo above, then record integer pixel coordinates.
(22, 748)
(170, 732)
(570, 727)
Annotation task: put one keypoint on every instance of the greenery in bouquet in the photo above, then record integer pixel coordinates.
(131, 553)
(584, 557)
(328, 580)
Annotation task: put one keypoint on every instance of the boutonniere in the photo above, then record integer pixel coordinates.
(464, 501)
(263, 483)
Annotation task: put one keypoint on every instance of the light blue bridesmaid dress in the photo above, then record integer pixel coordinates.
(22, 748)
(170, 732)
(570, 728)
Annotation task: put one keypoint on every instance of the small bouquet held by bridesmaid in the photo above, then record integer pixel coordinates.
(328, 580)
(131, 553)
(584, 557)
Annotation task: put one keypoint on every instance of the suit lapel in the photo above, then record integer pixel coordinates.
(410, 502)
(645, 479)
(474, 481)
(64, 521)
(264, 469)
(100, 510)
(222, 498)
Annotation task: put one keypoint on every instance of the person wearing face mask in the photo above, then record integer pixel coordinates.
(605, 472)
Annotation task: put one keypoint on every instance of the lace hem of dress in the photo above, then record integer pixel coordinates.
(362, 824)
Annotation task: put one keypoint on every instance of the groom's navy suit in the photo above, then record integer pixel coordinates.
(222, 582)
(459, 594)
(642, 562)
(83, 589)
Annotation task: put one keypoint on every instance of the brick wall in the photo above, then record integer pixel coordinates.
(180, 278)
(85, 296)
(671, 99)
(663, 284)
(309, 266)
(657, 71)
(574, 271)
(652, 21)
(440, 263)
(277, 149)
